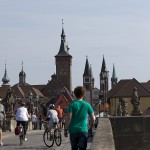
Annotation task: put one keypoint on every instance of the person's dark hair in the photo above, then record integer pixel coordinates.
(79, 92)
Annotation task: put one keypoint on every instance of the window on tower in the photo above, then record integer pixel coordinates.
(87, 80)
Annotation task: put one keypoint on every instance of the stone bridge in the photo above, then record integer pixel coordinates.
(113, 133)
(122, 133)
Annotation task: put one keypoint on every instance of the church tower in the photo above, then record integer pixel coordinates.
(88, 80)
(104, 80)
(64, 63)
(113, 78)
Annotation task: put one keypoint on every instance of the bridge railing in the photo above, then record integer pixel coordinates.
(103, 138)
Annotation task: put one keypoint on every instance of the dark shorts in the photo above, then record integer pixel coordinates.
(60, 119)
(24, 124)
(79, 140)
(1, 124)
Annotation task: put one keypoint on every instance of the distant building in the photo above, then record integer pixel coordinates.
(60, 80)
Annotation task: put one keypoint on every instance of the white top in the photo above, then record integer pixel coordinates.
(33, 118)
(22, 114)
(52, 114)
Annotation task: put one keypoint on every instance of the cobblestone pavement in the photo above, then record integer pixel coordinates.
(34, 142)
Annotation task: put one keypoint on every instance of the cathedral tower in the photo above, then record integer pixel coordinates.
(104, 81)
(88, 80)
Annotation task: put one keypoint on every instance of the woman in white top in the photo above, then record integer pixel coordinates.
(53, 115)
(22, 117)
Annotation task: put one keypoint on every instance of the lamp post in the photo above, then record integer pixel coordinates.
(91, 101)
(103, 99)
(30, 97)
(99, 106)
(105, 89)
(37, 101)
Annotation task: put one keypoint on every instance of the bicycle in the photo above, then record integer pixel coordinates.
(54, 135)
(21, 134)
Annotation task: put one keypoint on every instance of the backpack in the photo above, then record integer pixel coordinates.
(17, 130)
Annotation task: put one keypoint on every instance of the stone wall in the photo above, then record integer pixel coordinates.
(10, 125)
(131, 133)
(103, 138)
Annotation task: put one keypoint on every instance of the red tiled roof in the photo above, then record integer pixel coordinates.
(124, 88)
(117, 87)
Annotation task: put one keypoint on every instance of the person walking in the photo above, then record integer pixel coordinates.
(60, 115)
(22, 117)
(40, 122)
(76, 123)
(34, 121)
(2, 119)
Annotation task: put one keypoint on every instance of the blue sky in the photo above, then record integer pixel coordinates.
(118, 29)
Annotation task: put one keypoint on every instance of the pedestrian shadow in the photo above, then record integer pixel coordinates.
(11, 145)
(33, 148)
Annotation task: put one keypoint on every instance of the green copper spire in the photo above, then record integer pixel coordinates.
(113, 78)
(5, 79)
(114, 72)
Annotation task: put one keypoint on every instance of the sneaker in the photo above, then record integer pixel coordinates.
(1, 144)
(25, 139)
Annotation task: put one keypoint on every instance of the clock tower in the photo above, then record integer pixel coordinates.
(64, 63)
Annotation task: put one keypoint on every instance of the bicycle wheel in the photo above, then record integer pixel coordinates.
(57, 137)
(48, 138)
(21, 136)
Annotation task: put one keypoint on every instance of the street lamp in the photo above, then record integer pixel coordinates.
(37, 100)
(30, 97)
(105, 89)
(99, 106)
(103, 86)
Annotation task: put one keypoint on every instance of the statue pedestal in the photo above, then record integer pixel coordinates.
(136, 113)
(10, 123)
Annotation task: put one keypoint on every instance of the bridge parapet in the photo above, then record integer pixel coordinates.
(103, 138)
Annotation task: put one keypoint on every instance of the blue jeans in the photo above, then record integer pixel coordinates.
(79, 140)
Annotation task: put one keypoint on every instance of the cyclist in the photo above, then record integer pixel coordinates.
(22, 117)
(52, 115)
(60, 115)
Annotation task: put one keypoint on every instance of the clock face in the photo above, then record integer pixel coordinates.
(63, 71)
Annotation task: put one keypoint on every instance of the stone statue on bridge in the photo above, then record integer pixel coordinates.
(9, 101)
(122, 107)
(119, 109)
(135, 100)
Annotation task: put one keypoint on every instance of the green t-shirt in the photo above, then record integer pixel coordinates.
(80, 111)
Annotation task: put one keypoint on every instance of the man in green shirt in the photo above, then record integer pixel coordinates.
(77, 117)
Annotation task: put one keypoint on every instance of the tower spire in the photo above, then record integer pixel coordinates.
(113, 78)
(103, 68)
(22, 66)
(64, 49)
(87, 68)
(114, 72)
(63, 36)
(5, 79)
(22, 76)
